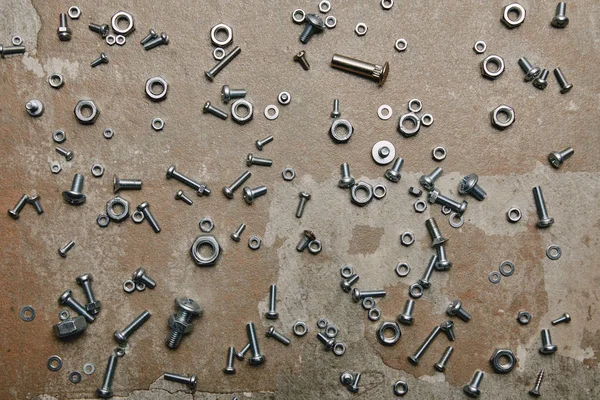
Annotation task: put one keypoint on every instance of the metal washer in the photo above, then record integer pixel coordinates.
(75, 377)
(288, 174)
(89, 368)
(271, 115)
(402, 269)
(51, 363)
(23, 313)
(494, 277)
(384, 115)
(378, 152)
(553, 252)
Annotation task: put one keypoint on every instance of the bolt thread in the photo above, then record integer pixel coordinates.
(240, 181)
(539, 203)
(66, 248)
(272, 298)
(259, 191)
(347, 284)
(20, 204)
(152, 43)
(216, 112)
(63, 20)
(238, 94)
(372, 293)
(240, 354)
(151, 220)
(6, 51)
(435, 174)
(261, 143)
(261, 161)
(223, 63)
(398, 164)
(561, 9)
(307, 33)
(427, 343)
(174, 339)
(560, 77)
(525, 65)
(301, 205)
(280, 338)
(251, 331)
(345, 168)
(75, 305)
(151, 283)
(434, 232)
(37, 205)
(89, 293)
(148, 37)
(546, 339)
(476, 381)
(408, 307)
(176, 378)
(446, 356)
(463, 314)
(478, 192)
(109, 373)
(540, 378)
(428, 271)
(303, 243)
(445, 201)
(136, 324)
(127, 184)
(239, 230)
(77, 185)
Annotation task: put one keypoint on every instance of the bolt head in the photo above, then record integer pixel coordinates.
(471, 391)
(248, 195)
(228, 192)
(440, 367)
(81, 279)
(304, 195)
(170, 171)
(104, 393)
(143, 206)
(74, 198)
(546, 222)
(535, 393)
(65, 297)
(393, 175)
(566, 89)
(270, 331)
(179, 194)
(69, 155)
(316, 21)
(225, 93)
(384, 73)
(104, 30)
(540, 83)
(206, 107)
(555, 159)
(406, 319)
(259, 145)
(300, 55)
(189, 305)
(271, 315)
(463, 207)
(443, 265)
(346, 182)
(249, 159)
(567, 317)
(120, 338)
(138, 274)
(193, 382)
(13, 214)
(454, 306)
(116, 184)
(468, 183)
(103, 57)
(345, 286)
(165, 38)
(235, 237)
(560, 21)
(532, 74)
(414, 360)
(257, 360)
(355, 294)
(64, 33)
(309, 235)
(548, 349)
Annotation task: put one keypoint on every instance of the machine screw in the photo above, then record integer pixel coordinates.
(393, 174)
(67, 154)
(336, 109)
(163, 39)
(565, 318)
(262, 143)
(235, 236)
(535, 392)
(181, 196)
(103, 59)
(140, 275)
(374, 72)
(251, 160)
(544, 220)
(326, 340)
(556, 158)
(346, 180)
(191, 381)
(151, 35)
(35, 202)
(468, 185)
(7, 51)
(35, 108)
(209, 108)
(424, 281)
(106, 390)
(455, 308)
(347, 283)
(230, 369)
(434, 232)
(428, 181)
(14, 213)
(560, 20)
(448, 328)
(240, 354)
(93, 305)
(442, 264)
(314, 24)
(251, 194)
(67, 299)
(278, 336)
(441, 365)
(562, 81)
(257, 358)
(272, 313)
(102, 30)
(64, 32)
(228, 94)
(472, 389)
(358, 295)
(187, 309)
(547, 346)
(300, 58)
(406, 318)
(353, 387)
(223, 63)
(307, 237)
(304, 197)
(415, 358)
(199, 188)
(126, 184)
(228, 190)
(122, 336)
(435, 197)
(74, 196)
(145, 209)
(66, 248)
(542, 80)
(531, 72)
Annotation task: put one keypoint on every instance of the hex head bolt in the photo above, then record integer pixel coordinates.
(374, 72)
(122, 336)
(535, 392)
(260, 144)
(67, 299)
(140, 276)
(67, 154)
(145, 209)
(272, 313)
(66, 248)
(435, 197)
(191, 381)
(442, 264)
(280, 337)
(35, 202)
(187, 309)
(251, 194)
(544, 220)
(14, 213)
(406, 318)
(199, 188)
(257, 358)
(9, 50)
(547, 346)
(307, 237)
(163, 39)
(228, 190)
(565, 86)
(210, 109)
(564, 319)
(556, 158)
(326, 340)
(102, 59)
(105, 391)
(314, 24)
(300, 58)
(210, 75)
(358, 295)
(34, 107)
(472, 389)
(434, 231)
(304, 197)
(151, 35)
(441, 365)
(102, 30)
(74, 196)
(393, 174)
(240, 354)
(353, 387)
(230, 369)
(229, 94)
(347, 283)
(414, 359)
(560, 20)
(63, 31)
(455, 309)
(347, 180)
(531, 72)
(468, 185)
(448, 328)
(335, 113)
(252, 160)
(424, 281)
(126, 184)
(181, 196)
(236, 236)
(93, 305)
(542, 80)
(428, 181)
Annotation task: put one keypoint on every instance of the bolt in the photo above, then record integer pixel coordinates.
(346, 180)
(562, 81)
(415, 358)
(346, 378)
(442, 264)
(228, 94)
(35, 202)
(531, 72)
(424, 281)
(144, 208)
(140, 275)
(67, 299)
(251, 160)
(6, 51)
(64, 32)
(235, 236)
(223, 63)
(35, 108)
(560, 20)
(347, 283)
(102, 30)
(187, 309)
(468, 185)
(191, 381)
(230, 369)
(256, 358)
(544, 220)
(300, 58)
(304, 197)
(200, 188)
(542, 80)
(106, 390)
(14, 213)
(307, 237)
(126, 184)
(354, 386)
(74, 196)
(556, 158)
(103, 59)
(122, 336)
(428, 181)
(261, 143)
(228, 190)
(181, 196)
(327, 341)
(151, 35)
(565, 318)
(441, 365)
(455, 308)
(448, 328)
(278, 336)
(336, 109)
(371, 71)
(435, 197)
(93, 305)
(535, 392)
(393, 174)
(240, 354)
(251, 194)
(547, 346)
(67, 154)
(66, 248)
(272, 313)
(358, 295)
(163, 39)
(434, 232)
(314, 24)
(406, 318)
(209, 108)
(472, 389)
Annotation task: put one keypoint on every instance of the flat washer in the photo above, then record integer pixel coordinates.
(27, 313)
(75, 377)
(507, 268)
(402, 269)
(383, 152)
(388, 326)
(228, 35)
(254, 242)
(384, 112)
(219, 53)
(89, 368)
(420, 205)
(314, 246)
(284, 98)
(300, 328)
(400, 388)
(271, 112)
(361, 29)
(456, 221)
(54, 363)
(438, 153)
(553, 252)
(288, 174)
(379, 191)
(401, 44)
(494, 277)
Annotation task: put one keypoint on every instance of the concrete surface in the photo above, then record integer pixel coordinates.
(439, 68)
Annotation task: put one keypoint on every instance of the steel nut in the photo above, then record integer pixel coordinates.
(70, 327)
(492, 67)
(123, 29)
(513, 8)
(86, 119)
(503, 361)
(503, 116)
(209, 259)
(93, 308)
(179, 326)
(112, 209)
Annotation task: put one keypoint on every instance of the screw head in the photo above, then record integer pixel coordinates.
(103, 57)
(443, 265)
(532, 74)
(548, 349)
(81, 279)
(235, 237)
(463, 208)
(74, 198)
(189, 305)
(165, 38)
(346, 182)
(454, 306)
(555, 159)
(143, 206)
(248, 195)
(535, 393)
(193, 382)
(384, 73)
(271, 315)
(179, 194)
(170, 171)
(560, 21)
(206, 107)
(104, 30)
(13, 214)
(471, 391)
(540, 83)
(414, 360)
(249, 159)
(104, 393)
(546, 222)
(355, 294)
(468, 183)
(567, 317)
(304, 195)
(119, 337)
(566, 88)
(406, 319)
(65, 297)
(138, 274)
(256, 360)
(228, 192)
(393, 175)
(270, 331)
(225, 93)
(440, 367)
(315, 21)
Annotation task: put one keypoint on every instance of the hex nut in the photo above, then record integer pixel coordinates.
(503, 367)
(160, 82)
(102, 220)
(502, 110)
(112, 211)
(70, 327)
(205, 240)
(235, 111)
(513, 8)
(361, 186)
(179, 326)
(490, 60)
(228, 35)
(341, 125)
(120, 16)
(408, 131)
(85, 119)
(523, 317)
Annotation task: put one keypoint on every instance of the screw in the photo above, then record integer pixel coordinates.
(181, 196)
(35, 202)
(314, 24)
(191, 381)
(144, 208)
(201, 189)
(64, 32)
(228, 190)
(235, 236)
(346, 180)
(435, 197)
(140, 275)
(122, 336)
(304, 197)
(565, 318)
(227, 93)
(103, 59)
(240, 354)
(455, 308)
(347, 283)
(261, 143)
(67, 299)
(278, 336)
(371, 71)
(67, 154)
(187, 309)
(468, 185)
(327, 341)
(556, 158)
(251, 194)
(346, 378)
(562, 81)
(442, 264)
(35, 108)
(434, 232)
(441, 365)
(544, 220)
(560, 20)
(8, 50)
(406, 318)
(547, 346)
(535, 392)
(230, 369)
(448, 328)
(336, 109)
(272, 313)
(66, 248)
(14, 213)
(393, 174)
(163, 39)
(307, 237)
(209, 108)
(106, 390)
(251, 160)
(223, 63)
(542, 80)
(354, 386)
(531, 72)
(85, 280)
(102, 30)
(472, 389)
(424, 281)
(300, 58)
(256, 358)
(74, 196)
(358, 295)
(428, 181)
(415, 358)
(151, 35)
(126, 184)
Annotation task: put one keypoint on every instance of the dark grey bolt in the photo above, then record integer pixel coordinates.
(441, 365)
(105, 391)
(346, 180)
(122, 336)
(64, 32)
(280, 337)
(556, 158)
(272, 313)
(209, 108)
(544, 220)
(547, 346)
(163, 39)
(67, 154)
(448, 328)
(434, 232)
(191, 381)
(415, 358)
(140, 275)
(180, 323)
(93, 305)
(472, 389)
(102, 30)
(251, 194)
(181, 196)
(227, 93)
(223, 63)
(435, 197)
(126, 184)
(406, 318)
(326, 340)
(172, 173)
(300, 58)
(67, 299)
(230, 369)
(240, 354)
(74, 196)
(307, 237)
(560, 20)
(542, 80)
(228, 190)
(66, 248)
(145, 209)
(314, 24)
(565, 86)
(358, 295)
(442, 264)
(35, 202)
(535, 392)
(257, 358)
(304, 197)
(455, 308)
(468, 185)
(347, 283)
(262, 143)
(14, 213)
(353, 387)
(565, 318)
(336, 109)
(103, 59)
(424, 281)
(8, 50)
(235, 236)
(251, 160)
(531, 72)
(393, 174)
(428, 181)
(151, 35)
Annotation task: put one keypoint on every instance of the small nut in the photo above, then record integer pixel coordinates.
(492, 61)
(503, 116)
(86, 119)
(509, 9)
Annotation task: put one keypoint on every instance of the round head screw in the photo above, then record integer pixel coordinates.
(151, 35)
(353, 387)
(424, 281)
(406, 318)
(230, 369)
(181, 196)
(272, 333)
(236, 236)
(441, 365)
(346, 180)
(251, 194)
(63, 31)
(307, 237)
(35, 202)
(228, 94)
(556, 158)
(428, 181)
(327, 341)
(472, 389)
(530, 71)
(336, 109)
(547, 346)
(442, 264)
(300, 58)
(14, 213)
(93, 305)
(304, 197)
(257, 358)
(393, 174)
(74, 196)
(260, 144)
(140, 276)
(122, 336)
(66, 248)
(565, 86)
(560, 20)
(229, 190)
(347, 283)
(565, 318)
(468, 185)
(210, 109)
(225, 93)
(103, 59)
(314, 24)
(240, 354)
(105, 391)
(448, 328)
(67, 299)
(542, 80)
(190, 381)
(272, 313)
(414, 359)
(210, 75)
(455, 309)
(544, 219)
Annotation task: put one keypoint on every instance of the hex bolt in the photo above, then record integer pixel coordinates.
(347, 180)
(428, 181)
(374, 72)
(406, 318)
(74, 196)
(560, 20)
(163, 39)
(262, 143)
(542, 80)
(347, 283)
(531, 72)
(326, 340)
(103, 59)
(251, 194)
(66, 248)
(106, 390)
(280, 337)
(34, 107)
(240, 354)
(424, 281)
(304, 197)
(14, 213)
(535, 392)
(300, 58)
(468, 185)
(314, 24)
(223, 63)
(415, 358)
(173, 173)
(442, 264)
(230, 369)
(93, 305)
(102, 30)
(257, 358)
(565, 86)
(64, 32)
(307, 237)
(140, 275)
(191, 381)
(472, 389)
(151, 35)
(181, 196)
(67, 299)
(35, 202)
(67, 154)
(434, 231)
(145, 209)
(448, 328)
(228, 190)
(336, 109)
(547, 346)
(122, 336)
(210, 109)
(455, 309)
(251, 160)
(441, 365)
(358, 295)
(393, 174)
(353, 387)
(563, 319)
(544, 220)
(236, 236)
(556, 158)
(181, 323)
(126, 184)
(435, 197)
(9, 50)
(229, 94)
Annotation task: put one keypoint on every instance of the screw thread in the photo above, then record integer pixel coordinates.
(151, 219)
(37, 205)
(239, 93)
(174, 339)
(525, 65)
(95, 28)
(280, 337)
(77, 185)
(372, 293)
(478, 193)
(151, 35)
(345, 168)
(307, 33)
(408, 307)
(129, 184)
(63, 20)
(336, 109)
(89, 293)
(240, 354)
(251, 331)
(239, 230)
(463, 314)
(539, 203)
(415, 358)
(65, 249)
(476, 381)
(176, 378)
(20, 204)
(301, 205)
(303, 243)
(259, 191)
(424, 281)
(540, 378)
(151, 283)
(216, 112)
(136, 324)
(546, 339)
(223, 63)
(435, 174)
(109, 373)
(446, 356)
(240, 181)
(434, 232)
(398, 164)
(152, 43)
(561, 9)
(6, 51)
(272, 298)
(230, 360)
(446, 201)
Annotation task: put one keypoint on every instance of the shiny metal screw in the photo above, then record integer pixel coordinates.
(448, 328)
(140, 275)
(190, 381)
(354, 386)
(358, 295)
(240, 354)
(346, 180)
(428, 181)
(393, 174)
(326, 340)
(66, 248)
(544, 220)
(442, 264)
(535, 392)
(374, 72)
(531, 72)
(67, 299)
(435, 197)
(223, 63)
(230, 369)
(209, 108)
(181, 196)
(14, 213)
(314, 24)
(415, 358)
(67, 154)
(251, 194)
(145, 209)
(187, 310)
(560, 20)
(251, 160)
(406, 318)
(228, 94)
(35, 202)
(547, 346)
(336, 109)
(542, 80)
(34, 107)
(93, 305)
(257, 358)
(280, 337)
(346, 378)
(565, 318)
(424, 281)
(347, 283)
(565, 86)
(106, 390)
(8, 50)
(122, 336)
(103, 59)
(441, 365)
(304, 197)
(556, 158)
(455, 309)
(434, 232)
(102, 30)
(151, 35)
(307, 237)
(272, 313)
(235, 236)
(228, 190)
(64, 32)
(126, 184)
(300, 58)
(262, 143)
(468, 185)
(198, 187)
(163, 39)
(472, 389)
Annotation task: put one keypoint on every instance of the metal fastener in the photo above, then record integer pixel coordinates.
(35, 202)
(122, 336)
(209, 108)
(448, 328)
(560, 20)
(347, 283)
(252, 160)
(163, 39)
(8, 50)
(106, 390)
(272, 313)
(126, 184)
(228, 190)
(335, 113)
(375, 72)
(455, 309)
(435, 197)
(307, 237)
(542, 80)
(140, 275)
(144, 208)
(415, 358)
(434, 231)
(228, 94)
(63, 31)
(428, 181)
(223, 63)
(181, 196)
(74, 196)
(280, 337)
(547, 346)
(346, 180)
(565, 86)
(468, 185)
(442, 264)
(257, 358)
(67, 154)
(424, 281)
(565, 318)
(314, 24)
(262, 143)
(406, 318)
(198, 187)
(472, 389)
(393, 174)
(93, 305)
(415, 191)
(531, 72)
(34, 107)
(14, 213)
(181, 323)
(328, 342)
(441, 365)
(151, 35)
(66, 248)
(240, 354)
(304, 197)
(67, 299)
(230, 369)
(251, 194)
(544, 220)
(190, 381)
(353, 387)
(556, 158)
(102, 30)
(300, 58)
(358, 295)
(235, 236)
(103, 59)
(535, 392)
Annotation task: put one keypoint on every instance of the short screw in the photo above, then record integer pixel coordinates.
(145, 209)
(67, 299)
(326, 340)
(14, 213)
(140, 275)
(200, 188)
(374, 72)
(448, 328)
(336, 109)
(307, 237)
(251, 194)
(262, 143)
(434, 232)
(353, 387)
(346, 378)
(102, 30)
(235, 236)
(251, 160)
(74, 196)
(35, 108)
(93, 305)
(228, 94)
(441, 365)
(346, 180)
(190, 381)
(300, 58)
(424, 281)
(66, 248)
(122, 336)
(35, 202)
(435, 197)
(126, 184)
(106, 390)
(257, 358)
(535, 392)
(565, 318)
(67, 154)
(278, 336)
(228, 190)
(415, 358)
(210, 109)
(468, 185)
(358, 295)
(547, 346)
(240, 354)
(223, 63)
(393, 174)
(531, 72)
(163, 39)
(151, 35)
(304, 197)
(544, 220)
(472, 389)
(556, 158)
(560, 20)
(542, 80)
(442, 264)
(64, 32)
(428, 181)
(272, 313)
(565, 86)
(314, 24)
(406, 318)
(103, 59)
(347, 283)
(455, 309)
(8, 50)
(230, 369)
(181, 196)
(187, 309)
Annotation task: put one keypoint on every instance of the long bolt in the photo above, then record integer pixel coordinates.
(251, 194)
(300, 58)
(393, 174)
(210, 109)
(415, 358)
(172, 173)
(336, 109)
(372, 71)
(64, 32)
(441, 365)
(307, 237)
(257, 358)
(191, 381)
(442, 264)
(272, 313)
(314, 24)
(66, 248)
(535, 392)
(67, 154)
(102, 30)
(565, 86)
(126, 184)
(280, 337)
(223, 63)
(434, 232)
(163, 39)
(406, 318)
(14, 213)
(560, 20)
(346, 180)
(556, 158)
(240, 354)
(455, 309)
(472, 389)
(228, 190)
(145, 209)
(565, 318)
(347, 283)
(544, 220)
(251, 160)
(35, 202)
(123, 335)
(140, 275)
(531, 72)
(424, 281)
(67, 299)
(353, 387)
(228, 94)
(262, 143)
(235, 236)
(435, 197)
(8, 50)
(547, 346)
(358, 295)
(151, 35)
(106, 390)
(230, 369)
(103, 59)
(85, 280)
(428, 181)
(304, 197)
(181, 196)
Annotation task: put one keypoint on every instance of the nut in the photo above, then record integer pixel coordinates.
(492, 60)
(112, 212)
(179, 326)
(513, 8)
(70, 327)
(507, 112)
(86, 119)
(499, 356)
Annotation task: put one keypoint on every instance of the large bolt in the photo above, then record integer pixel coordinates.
(335, 113)
(14, 213)
(122, 336)
(314, 24)
(374, 72)
(257, 358)
(228, 190)
(393, 174)
(442, 264)
(535, 392)
(198, 187)
(151, 35)
(448, 328)
(126, 184)
(222, 64)
(34, 107)
(163, 39)
(531, 72)
(93, 305)
(304, 197)
(67, 299)
(347, 283)
(272, 313)
(280, 337)
(106, 390)
(542, 80)
(358, 295)
(144, 208)
(556, 158)
(560, 20)
(102, 59)
(181, 322)
(435, 197)
(406, 318)
(428, 181)
(565, 86)
(434, 232)
(441, 365)
(235, 236)
(307, 237)
(67, 154)
(544, 220)
(565, 318)
(353, 387)
(455, 309)
(326, 340)
(251, 160)
(300, 58)
(190, 381)
(468, 185)
(240, 354)
(35, 202)
(415, 358)
(228, 94)
(547, 346)
(251, 194)
(140, 276)
(424, 281)
(346, 180)
(472, 389)
(8, 50)
(181, 196)
(74, 196)
(102, 30)
(230, 369)
(260, 144)
(209, 108)
(66, 248)
(63, 31)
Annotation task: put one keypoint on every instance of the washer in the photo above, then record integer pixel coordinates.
(384, 112)
(383, 152)
(64, 315)
(59, 136)
(420, 206)
(339, 349)
(27, 314)
(158, 124)
(379, 191)
(507, 268)
(103, 221)
(438, 153)
(401, 44)
(56, 80)
(407, 238)
(324, 6)
(330, 22)
(288, 174)
(284, 98)
(97, 170)
(427, 120)
(298, 16)
(346, 271)
(110, 40)
(346, 126)
(331, 331)
(140, 286)
(400, 388)
(368, 303)
(361, 201)
(89, 368)
(108, 133)
(206, 224)
(205, 240)
(408, 131)
(254, 242)
(389, 326)
(300, 328)
(415, 291)
(387, 4)
(228, 35)
(271, 112)
(361, 29)
(374, 314)
(456, 221)
(54, 363)
(122, 16)
(137, 216)
(16, 40)
(235, 115)
(524, 317)
(314, 246)
(494, 277)
(120, 40)
(160, 82)
(553, 252)
(55, 167)
(513, 215)
(129, 286)
(479, 47)
(322, 323)
(75, 377)
(74, 12)
(415, 105)
(402, 269)
(219, 53)
(446, 210)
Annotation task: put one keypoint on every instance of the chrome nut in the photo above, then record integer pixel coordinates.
(364, 187)
(341, 130)
(70, 327)
(492, 60)
(499, 363)
(123, 16)
(179, 326)
(411, 129)
(513, 8)
(205, 240)
(86, 119)
(111, 209)
(508, 114)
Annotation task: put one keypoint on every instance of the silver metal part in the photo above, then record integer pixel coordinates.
(211, 258)
(298, 16)
(300, 328)
(346, 378)
(535, 392)
(513, 215)
(235, 111)
(129, 286)
(553, 252)
(479, 47)
(472, 388)
(503, 116)
(416, 291)
(455, 309)
(384, 112)
(415, 105)
(288, 174)
(402, 269)
(494, 277)
(400, 388)
(152, 92)
(406, 317)
(492, 67)
(341, 130)
(34, 107)
(86, 118)
(138, 217)
(544, 220)
(314, 246)
(97, 170)
(379, 191)
(361, 29)
(271, 112)
(324, 6)
(89, 368)
(446, 210)
(228, 35)
(103, 221)
(27, 313)
(409, 124)
(117, 209)
(54, 363)
(56, 80)
(385, 327)
(206, 224)
(63, 31)
(330, 22)
(322, 323)
(401, 45)
(541, 82)
(346, 271)
(16, 40)
(59, 136)
(507, 268)
(339, 349)
(387, 4)
(565, 318)
(254, 242)
(219, 53)
(503, 361)
(75, 377)
(513, 8)
(108, 133)
(64, 314)
(120, 40)
(560, 20)
(158, 124)
(374, 314)
(365, 189)
(547, 346)
(331, 331)
(420, 205)
(439, 153)
(565, 86)
(140, 286)
(119, 17)
(407, 238)
(456, 220)
(368, 303)
(556, 158)
(383, 152)
(523, 317)
(110, 40)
